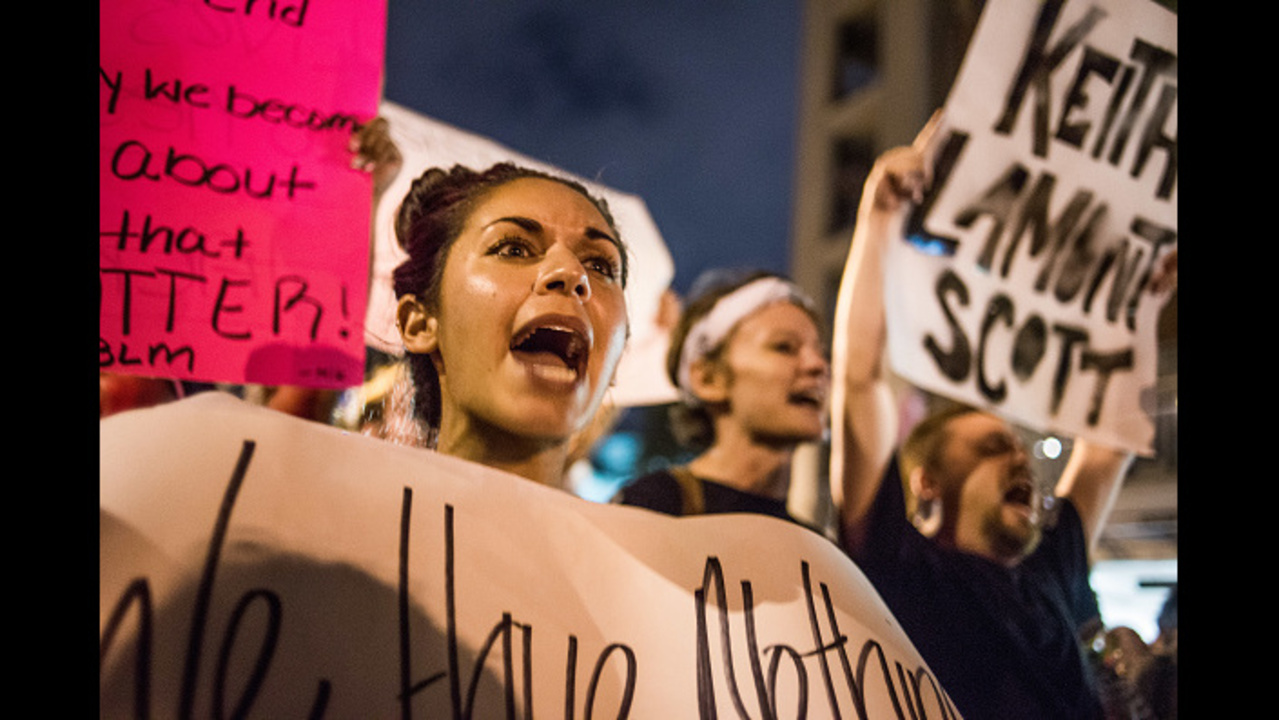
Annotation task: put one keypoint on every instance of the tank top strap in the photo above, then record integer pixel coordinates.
(691, 489)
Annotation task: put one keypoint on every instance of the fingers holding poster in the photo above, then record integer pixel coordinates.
(233, 233)
(1053, 200)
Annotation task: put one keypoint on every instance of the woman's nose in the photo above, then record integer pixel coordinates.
(562, 272)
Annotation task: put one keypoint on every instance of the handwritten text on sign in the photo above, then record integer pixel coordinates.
(234, 236)
(255, 561)
(1055, 178)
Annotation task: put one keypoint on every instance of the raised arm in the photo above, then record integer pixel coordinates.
(1091, 481)
(863, 406)
(1094, 474)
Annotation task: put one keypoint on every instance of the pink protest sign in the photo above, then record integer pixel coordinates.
(234, 235)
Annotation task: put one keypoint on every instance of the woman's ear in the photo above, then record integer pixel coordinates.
(709, 381)
(419, 329)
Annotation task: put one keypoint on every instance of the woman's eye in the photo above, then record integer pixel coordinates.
(511, 247)
(997, 446)
(603, 265)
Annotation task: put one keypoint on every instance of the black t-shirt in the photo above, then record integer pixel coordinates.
(661, 491)
(1002, 642)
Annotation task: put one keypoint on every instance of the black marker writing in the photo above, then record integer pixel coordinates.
(905, 688)
(133, 160)
(166, 301)
(240, 104)
(150, 235)
(237, 102)
(175, 90)
(138, 594)
(1155, 66)
(959, 362)
(291, 14)
(252, 634)
(114, 83)
(504, 635)
(152, 355)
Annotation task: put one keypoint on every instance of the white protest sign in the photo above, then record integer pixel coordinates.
(426, 142)
(255, 561)
(1055, 193)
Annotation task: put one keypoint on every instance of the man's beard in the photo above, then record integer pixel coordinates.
(1010, 541)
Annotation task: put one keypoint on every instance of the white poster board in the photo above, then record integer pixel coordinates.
(251, 560)
(1055, 193)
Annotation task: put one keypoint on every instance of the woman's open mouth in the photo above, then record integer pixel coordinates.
(555, 349)
(811, 398)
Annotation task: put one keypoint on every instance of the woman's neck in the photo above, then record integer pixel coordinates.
(746, 465)
(542, 461)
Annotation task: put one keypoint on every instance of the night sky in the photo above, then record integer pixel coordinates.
(691, 106)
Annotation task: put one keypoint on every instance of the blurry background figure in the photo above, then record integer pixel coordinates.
(117, 392)
(599, 454)
(749, 357)
(308, 403)
(382, 407)
(1138, 680)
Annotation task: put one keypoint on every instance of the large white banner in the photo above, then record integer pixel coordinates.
(1055, 193)
(255, 563)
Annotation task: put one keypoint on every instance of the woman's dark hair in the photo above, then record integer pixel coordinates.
(429, 220)
(691, 423)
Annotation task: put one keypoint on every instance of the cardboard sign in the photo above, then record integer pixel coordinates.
(1023, 287)
(234, 235)
(252, 561)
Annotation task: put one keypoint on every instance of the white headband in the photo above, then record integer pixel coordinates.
(706, 334)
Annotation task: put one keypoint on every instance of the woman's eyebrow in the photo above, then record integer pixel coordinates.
(600, 235)
(597, 234)
(528, 224)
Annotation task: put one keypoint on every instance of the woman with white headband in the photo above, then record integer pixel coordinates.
(750, 362)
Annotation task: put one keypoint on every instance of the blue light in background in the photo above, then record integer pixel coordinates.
(932, 245)
(613, 461)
